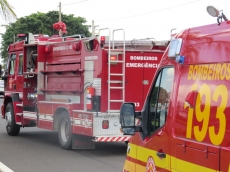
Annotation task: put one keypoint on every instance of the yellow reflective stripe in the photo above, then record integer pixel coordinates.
(144, 154)
(132, 150)
(140, 168)
(178, 164)
(129, 166)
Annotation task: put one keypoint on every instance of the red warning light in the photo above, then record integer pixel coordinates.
(102, 41)
(113, 57)
(105, 124)
(47, 49)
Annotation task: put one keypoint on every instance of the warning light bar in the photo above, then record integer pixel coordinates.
(21, 35)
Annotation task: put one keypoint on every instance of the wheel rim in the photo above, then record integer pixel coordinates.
(64, 130)
(8, 120)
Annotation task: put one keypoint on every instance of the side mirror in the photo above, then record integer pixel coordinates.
(127, 118)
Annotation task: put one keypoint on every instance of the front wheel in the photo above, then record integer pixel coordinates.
(64, 131)
(11, 127)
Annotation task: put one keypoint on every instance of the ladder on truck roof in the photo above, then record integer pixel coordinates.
(136, 44)
(121, 73)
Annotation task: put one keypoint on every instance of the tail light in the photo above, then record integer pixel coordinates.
(105, 124)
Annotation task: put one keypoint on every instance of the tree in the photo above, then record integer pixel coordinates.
(41, 23)
(7, 11)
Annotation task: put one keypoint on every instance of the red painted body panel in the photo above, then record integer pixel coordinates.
(45, 124)
(140, 66)
(83, 123)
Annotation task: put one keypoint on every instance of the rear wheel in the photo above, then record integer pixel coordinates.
(64, 131)
(11, 127)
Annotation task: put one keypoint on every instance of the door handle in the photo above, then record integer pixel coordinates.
(161, 154)
(14, 86)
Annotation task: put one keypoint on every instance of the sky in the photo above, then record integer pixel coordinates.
(139, 18)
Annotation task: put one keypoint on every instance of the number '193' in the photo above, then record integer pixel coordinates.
(202, 115)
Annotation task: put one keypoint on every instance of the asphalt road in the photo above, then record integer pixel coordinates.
(37, 150)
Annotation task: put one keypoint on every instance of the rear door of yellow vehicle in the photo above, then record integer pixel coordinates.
(200, 119)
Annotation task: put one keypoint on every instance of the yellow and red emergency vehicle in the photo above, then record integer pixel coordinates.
(185, 122)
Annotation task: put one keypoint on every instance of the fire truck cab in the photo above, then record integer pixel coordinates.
(185, 122)
(76, 85)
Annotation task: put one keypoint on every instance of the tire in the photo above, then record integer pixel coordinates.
(64, 131)
(11, 127)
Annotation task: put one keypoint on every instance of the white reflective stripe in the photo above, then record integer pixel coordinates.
(29, 114)
(112, 139)
(69, 98)
(77, 121)
(127, 138)
(47, 117)
(103, 139)
(4, 168)
(49, 102)
(81, 122)
(20, 96)
(120, 139)
(116, 139)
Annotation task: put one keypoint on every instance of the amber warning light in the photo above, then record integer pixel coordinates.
(113, 57)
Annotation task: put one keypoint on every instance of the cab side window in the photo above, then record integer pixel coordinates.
(159, 100)
(12, 64)
(20, 64)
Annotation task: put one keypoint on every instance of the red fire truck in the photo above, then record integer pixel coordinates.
(76, 85)
(185, 122)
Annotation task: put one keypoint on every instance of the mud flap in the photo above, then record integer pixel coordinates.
(82, 142)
